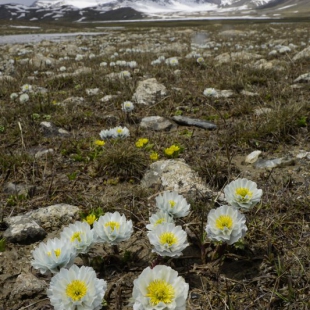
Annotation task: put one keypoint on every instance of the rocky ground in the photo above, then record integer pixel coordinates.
(55, 98)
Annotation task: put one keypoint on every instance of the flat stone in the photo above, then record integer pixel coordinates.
(156, 123)
(187, 121)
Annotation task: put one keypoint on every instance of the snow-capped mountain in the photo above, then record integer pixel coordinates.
(154, 6)
(103, 10)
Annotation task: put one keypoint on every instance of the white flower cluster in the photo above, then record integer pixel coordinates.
(227, 223)
(167, 238)
(73, 287)
(114, 133)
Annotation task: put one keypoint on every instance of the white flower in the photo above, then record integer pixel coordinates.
(210, 92)
(243, 194)
(62, 69)
(173, 61)
(92, 56)
(173, 203)
(26, 88)
(168, 240)
(120, 132)
(155, 62)
(13, 96)
(78, 57)
(127, 106)
(112, 228)
(103, 64)
(121, 63)
(159, 218)
(226, 224)
(106, 134)
(124, 74)
(76, 288)
(80, 235)
(159, 288)
(200, 60)
(132, 64)
(23, 98)
(112, 64)
(53, 255)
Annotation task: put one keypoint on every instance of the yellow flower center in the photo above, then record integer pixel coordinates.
(244, 193)
(160, 291)
(76, 236)
(76, 290)
(159, 221)
(172, 203)
(119, 130)
(224, 221)
(168, 238)
(113, 225)
(57, 252)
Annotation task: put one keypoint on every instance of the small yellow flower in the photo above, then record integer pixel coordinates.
(99, 142)
(154, 156)
(141, 142)
(171, 150)
(90, 219)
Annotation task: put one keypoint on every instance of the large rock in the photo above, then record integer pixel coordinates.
(149, 92)
(175, 175)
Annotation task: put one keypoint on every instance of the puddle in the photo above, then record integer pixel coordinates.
(35, 38)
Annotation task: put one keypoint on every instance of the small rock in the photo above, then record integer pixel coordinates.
(303, 78)
(27, 285)
(49, 129)
(55, 216)
(303, 154)
(252, 157)
(24, 230)
(156, 123)
(149, 92)
(274, 163)
(187, 121)
(175, 175)
(305, 53)
(260, 111)
(248, 93)
(19, 189)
